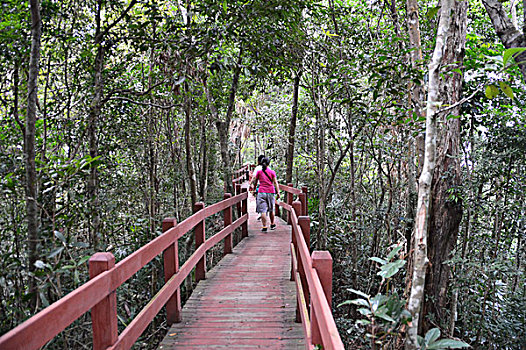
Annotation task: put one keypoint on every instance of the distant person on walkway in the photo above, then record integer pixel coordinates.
(267, 193)
(256, 169)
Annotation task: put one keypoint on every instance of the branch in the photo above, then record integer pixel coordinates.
(131, 92)
(149, 104)
(458, 103)
(107, 30)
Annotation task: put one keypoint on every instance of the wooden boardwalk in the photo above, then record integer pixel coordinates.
(247, 300)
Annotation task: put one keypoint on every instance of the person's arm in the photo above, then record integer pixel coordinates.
(252, 185)
(276, 186)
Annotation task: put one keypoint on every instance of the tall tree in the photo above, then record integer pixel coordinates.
(508, 34)
(29, 145)
(420, 260)
(292, 128)
(446, 212)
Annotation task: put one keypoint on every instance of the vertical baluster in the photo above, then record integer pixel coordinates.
(200, 268)
(244, 210)
(227, 219)
(322, 262)
(171, 267)
(104, 314)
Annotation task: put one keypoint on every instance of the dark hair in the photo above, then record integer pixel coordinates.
(265, 163)
(260, 158)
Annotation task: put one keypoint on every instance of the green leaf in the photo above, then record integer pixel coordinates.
(448, 344)
(510, 52)
(364, 311)
(362, 294)
(390, 269)
(491, 91)
(83, 260)
(393, 253)
(432, 335)
(506, 89)
(60, 236)
(378, 260)
(432, 12)
(360, 302)
(55, 252)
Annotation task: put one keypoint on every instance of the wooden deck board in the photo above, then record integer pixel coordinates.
(247, 300)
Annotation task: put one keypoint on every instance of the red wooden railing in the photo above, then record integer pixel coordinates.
(99, 294)
(312, 274)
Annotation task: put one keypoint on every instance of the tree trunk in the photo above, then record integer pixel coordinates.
(188, 144)
(203, 176)
(506, 31)
(420, 260)
(29, 146)
(292, 129)
(446, 212)
(94, 115)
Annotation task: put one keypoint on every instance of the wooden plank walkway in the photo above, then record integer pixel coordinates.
(247, 300)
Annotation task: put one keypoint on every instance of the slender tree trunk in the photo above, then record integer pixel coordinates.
(203, 176)
(94, 115)
(29, 146)
(416, 92)
(420, 260)
(188, 144)
(292, 129)
(446, 206)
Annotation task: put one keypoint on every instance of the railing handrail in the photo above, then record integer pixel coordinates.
(302, 265)
(54, 319)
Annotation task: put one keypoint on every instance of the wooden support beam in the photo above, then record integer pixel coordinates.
(227, 219)
(322, 262)
(244, 210)
(171, 267)
(103, 314)
(199, 231)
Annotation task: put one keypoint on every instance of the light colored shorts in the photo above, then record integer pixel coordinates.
(265, 202)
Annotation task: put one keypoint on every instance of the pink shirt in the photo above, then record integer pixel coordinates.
(265, 182)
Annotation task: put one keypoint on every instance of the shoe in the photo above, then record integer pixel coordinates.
(273, 227)
(259, 218)
(264, 229)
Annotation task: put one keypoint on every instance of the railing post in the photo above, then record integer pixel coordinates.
(171, 267)
(296, 206)
(104, 314)
(322, 262)
(244, 210)
(247, 175)
(305, 201)
(227, 218)
(238, 204)
(294, 241)
(290, 196)
(304, 223)
(199, 231)
(276, 206)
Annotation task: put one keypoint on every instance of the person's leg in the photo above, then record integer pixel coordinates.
(264, 220)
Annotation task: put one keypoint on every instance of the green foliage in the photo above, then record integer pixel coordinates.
(431, 341)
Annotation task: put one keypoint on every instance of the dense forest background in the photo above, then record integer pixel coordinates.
(118, 113)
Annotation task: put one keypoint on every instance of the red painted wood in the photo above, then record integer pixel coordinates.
(304, 200)
(322, 262)
(54, 319)
(104, 314)
(199, 232)
(304, 223)
(246, 301)
(302, 300)
(227, 219)
(289, 189)
(244, 210)
(171, 267)
(290, 198)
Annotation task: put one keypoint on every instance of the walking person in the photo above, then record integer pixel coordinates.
(267, 193)
(256, 169)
